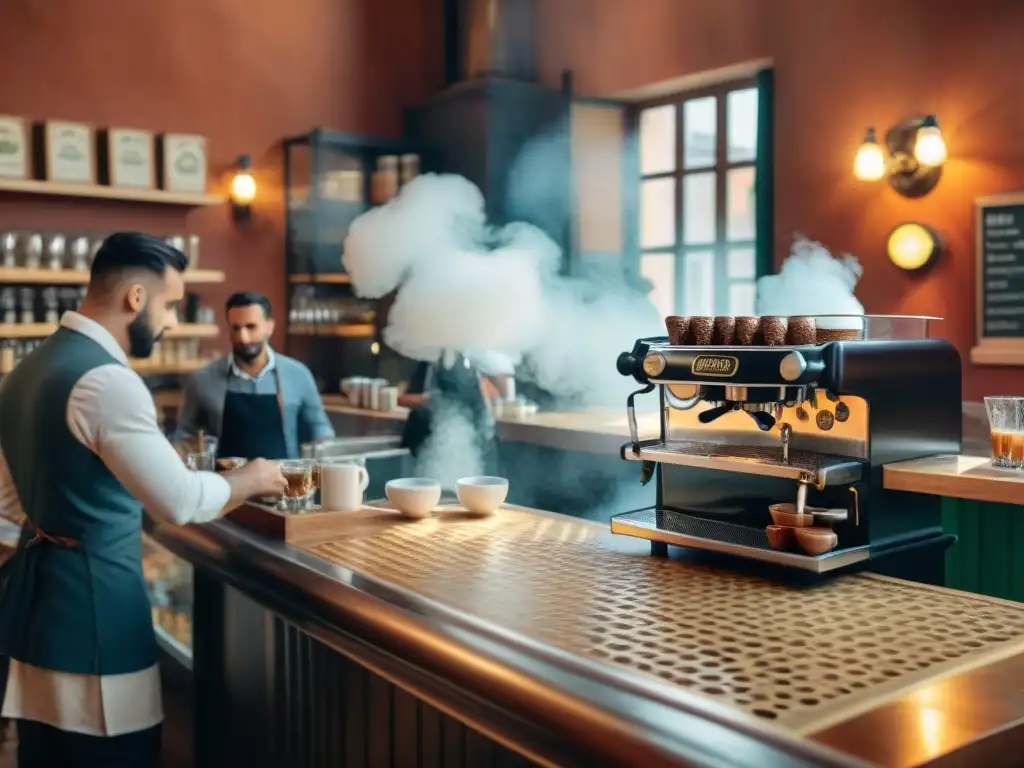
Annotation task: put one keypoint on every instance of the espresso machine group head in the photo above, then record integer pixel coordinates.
(745, 427)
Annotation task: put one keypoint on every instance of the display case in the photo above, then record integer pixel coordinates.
(169, 586)
(330, 180)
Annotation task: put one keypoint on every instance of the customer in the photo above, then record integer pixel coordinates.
(257, 402)
(81, 454)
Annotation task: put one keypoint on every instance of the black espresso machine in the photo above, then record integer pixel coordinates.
(744, 427)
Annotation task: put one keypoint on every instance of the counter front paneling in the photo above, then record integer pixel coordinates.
(549, 637)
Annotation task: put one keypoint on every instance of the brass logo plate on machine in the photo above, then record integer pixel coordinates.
(715, 365)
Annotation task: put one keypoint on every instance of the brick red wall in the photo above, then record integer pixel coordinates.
(841, 65)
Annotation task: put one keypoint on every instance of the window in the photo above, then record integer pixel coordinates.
(696, 204)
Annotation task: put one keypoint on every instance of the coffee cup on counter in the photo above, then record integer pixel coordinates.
(389, 398)
(342, 484)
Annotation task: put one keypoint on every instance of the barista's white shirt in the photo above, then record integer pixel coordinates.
(111, 412)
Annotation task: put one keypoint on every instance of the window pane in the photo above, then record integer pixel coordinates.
(700, 130)
(741, 298)
(660, 269)
(741, 115)
(658, 139)
(740, 264)
(658, 213)
(699, 208)
(699, 283)
(739, 191)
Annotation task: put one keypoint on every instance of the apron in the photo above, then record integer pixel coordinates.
(253, 425)
(460, 386)
(34, 537)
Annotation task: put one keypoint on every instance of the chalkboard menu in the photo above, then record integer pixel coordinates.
(1000, 280)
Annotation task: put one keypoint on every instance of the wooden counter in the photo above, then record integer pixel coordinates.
(960, 477)
(592, 430)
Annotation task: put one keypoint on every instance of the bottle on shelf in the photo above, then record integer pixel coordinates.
(9, 250)
(33, 251)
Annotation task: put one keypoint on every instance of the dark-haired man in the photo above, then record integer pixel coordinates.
(259, 403)
(81, 454)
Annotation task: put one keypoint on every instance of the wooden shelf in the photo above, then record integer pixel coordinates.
(99, 192)
(43, 276)
(332, 279)
(10, 275)
(347, 330)
(153, 368)
(26, 330)
(193, 331)
(39, 330)
(197, 276)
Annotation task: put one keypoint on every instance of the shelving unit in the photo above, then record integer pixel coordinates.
(99, 192)
(328, 185)
(24, 276)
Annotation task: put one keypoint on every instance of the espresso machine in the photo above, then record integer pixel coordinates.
(745, 427)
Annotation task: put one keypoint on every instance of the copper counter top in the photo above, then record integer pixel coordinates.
(838, 663)
(962, 477)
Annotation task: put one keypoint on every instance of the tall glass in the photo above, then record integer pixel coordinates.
(300, 475)
(1006, 425)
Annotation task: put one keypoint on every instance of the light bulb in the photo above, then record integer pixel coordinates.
(869, 164)
(929, 146)
(911, 246)
(243, 188)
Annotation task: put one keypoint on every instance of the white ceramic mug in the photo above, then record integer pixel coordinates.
(342, 485)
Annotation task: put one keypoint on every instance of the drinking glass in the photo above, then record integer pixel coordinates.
(202, 454)
(299, 473)
(1006, 425)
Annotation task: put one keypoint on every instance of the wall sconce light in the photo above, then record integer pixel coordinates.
(912, 246)
(243, 189)
(917, 153)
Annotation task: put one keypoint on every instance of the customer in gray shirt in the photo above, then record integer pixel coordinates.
(259, 403)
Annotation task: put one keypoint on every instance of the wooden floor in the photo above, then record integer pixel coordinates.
(177, 735)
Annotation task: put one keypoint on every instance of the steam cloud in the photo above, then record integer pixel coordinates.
(466, 287)
(494, 295)
(812, 282)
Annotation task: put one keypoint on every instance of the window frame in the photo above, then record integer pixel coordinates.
(721, 246)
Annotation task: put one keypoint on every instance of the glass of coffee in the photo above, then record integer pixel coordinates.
(299, 475)
(1006, 425)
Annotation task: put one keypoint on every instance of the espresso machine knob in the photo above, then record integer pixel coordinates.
(654, 364)
(626, 364)
(792, 366)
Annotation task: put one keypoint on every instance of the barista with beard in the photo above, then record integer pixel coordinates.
(258, 402)
(81, 454)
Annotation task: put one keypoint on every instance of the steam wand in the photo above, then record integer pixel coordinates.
(634, 433)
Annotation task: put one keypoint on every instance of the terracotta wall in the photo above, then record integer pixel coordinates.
(841, 65)
(243, 73)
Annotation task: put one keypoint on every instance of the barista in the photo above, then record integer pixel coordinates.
(257, 402)
(456, 384)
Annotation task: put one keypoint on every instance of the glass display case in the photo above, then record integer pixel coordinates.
(331, 179)
(169, 586)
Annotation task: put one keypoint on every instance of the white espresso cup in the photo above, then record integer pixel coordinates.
(342, 485)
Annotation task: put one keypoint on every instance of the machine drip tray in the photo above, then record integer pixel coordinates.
(683, 530)
(817, 468)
